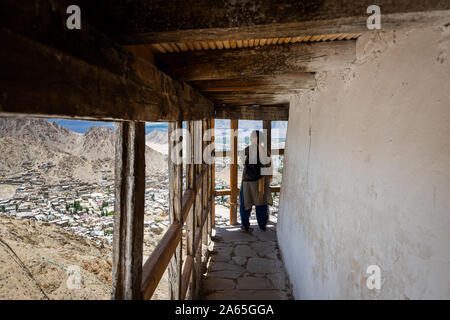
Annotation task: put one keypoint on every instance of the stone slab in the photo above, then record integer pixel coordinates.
(254, 283)
(223, 266)
(239, 260)
(244, 251)
(212, 284)
(225, 274)
(262, 265)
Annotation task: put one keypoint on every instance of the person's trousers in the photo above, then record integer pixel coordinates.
(262, 212)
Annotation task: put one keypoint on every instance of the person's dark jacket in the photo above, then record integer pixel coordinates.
(253, 165)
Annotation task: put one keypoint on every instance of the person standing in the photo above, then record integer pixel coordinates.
(255, 186)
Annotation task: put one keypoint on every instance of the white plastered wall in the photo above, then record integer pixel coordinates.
(371, 185)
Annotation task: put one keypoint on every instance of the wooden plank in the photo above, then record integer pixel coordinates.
(277, 152)
(50, 70)
(275, 189)
(227, 192)
(208, 20)
(158, 48)
(283, 84)
(157, 262)
(186, 275)
(205, 190)
(197, 45)
(219, 45)
(175, 205)
(182, 46)
(128, 210)
(174, 47)
(239, 99)
(167, 47)
(212, 45)
(222, 192)
(261, 112)
(188, 265)
(222, 154)
(192, 184)
(199, 233)
(189, 197)
(213, 178)
(190, 45)
(188, 200)
(233, 172)
(267, 126)
(39, 81)
(258, 61)
(198, 208)
(143, 51)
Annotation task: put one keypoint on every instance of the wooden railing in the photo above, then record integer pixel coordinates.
(227, 192)
(158, 261)
(224, 154)
(197, 222)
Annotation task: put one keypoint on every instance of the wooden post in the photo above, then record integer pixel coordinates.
(205, 190)
(267, 126)
(233, 172)
(198, 204)
(128, 210)
(190, 175)
(213, 179)
(175, 204)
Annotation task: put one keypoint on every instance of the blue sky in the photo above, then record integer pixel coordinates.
(82, 126)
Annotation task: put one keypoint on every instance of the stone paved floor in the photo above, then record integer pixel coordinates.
(245, 266)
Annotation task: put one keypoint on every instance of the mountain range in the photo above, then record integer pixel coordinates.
(74, 155)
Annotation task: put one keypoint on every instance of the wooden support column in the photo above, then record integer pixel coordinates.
(175, 204)
(213, 179)
(267, 126)
(205, 188)
(198, 149)
(233, 172)
(190, 223)
(128, 210)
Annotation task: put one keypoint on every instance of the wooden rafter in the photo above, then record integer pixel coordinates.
(253, 62)
(260, 112)
(209, 21)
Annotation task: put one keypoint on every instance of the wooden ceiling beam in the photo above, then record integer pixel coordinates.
(278, 112)
(286, 83)
(48, 70)
(158, 21)
(260, 61)
(239, 98)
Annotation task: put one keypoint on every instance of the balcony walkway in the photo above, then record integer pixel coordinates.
(245, 265)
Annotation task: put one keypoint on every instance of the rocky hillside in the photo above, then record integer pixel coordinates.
(34, 258)
(73, 154)
(158, 140)
(157, 136)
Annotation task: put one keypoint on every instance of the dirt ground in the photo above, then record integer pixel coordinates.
(35, 259)
(40, 261)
